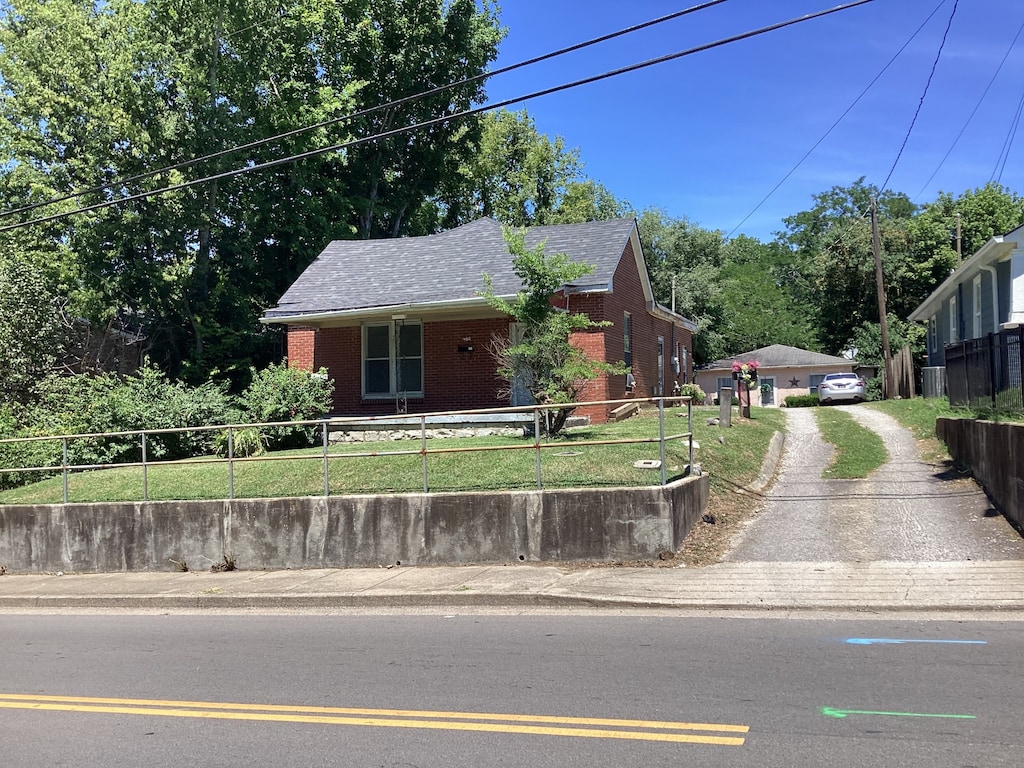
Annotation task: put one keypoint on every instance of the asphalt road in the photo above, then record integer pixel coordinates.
(477, 691)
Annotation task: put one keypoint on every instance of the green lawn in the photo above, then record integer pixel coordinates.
(859, 450)
(301, 473)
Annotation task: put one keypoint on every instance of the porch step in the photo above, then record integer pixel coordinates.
(624, 411)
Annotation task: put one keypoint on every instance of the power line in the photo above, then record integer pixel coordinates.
(973, 112)
(443, 119)
(838, 120)
(1008, 144)
(931, 74)
(364, 112)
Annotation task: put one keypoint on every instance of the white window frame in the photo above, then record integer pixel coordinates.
(954, 336)
(392, 362)
(933, 334)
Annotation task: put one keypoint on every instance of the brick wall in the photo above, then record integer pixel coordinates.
(300, 347)
(629, 297)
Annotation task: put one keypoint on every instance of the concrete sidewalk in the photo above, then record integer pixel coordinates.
(972, 586)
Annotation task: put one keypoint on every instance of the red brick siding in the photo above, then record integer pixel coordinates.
(300, 346)
(628, 296)
(455, 380)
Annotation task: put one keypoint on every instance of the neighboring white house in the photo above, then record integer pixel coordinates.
(782, 371)
(984, 295)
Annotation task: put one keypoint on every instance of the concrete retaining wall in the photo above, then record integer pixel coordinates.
(354, 531)
(994, 452)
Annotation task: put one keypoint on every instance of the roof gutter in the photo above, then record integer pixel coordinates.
(667, 314)
(387, 310)
(990, 251)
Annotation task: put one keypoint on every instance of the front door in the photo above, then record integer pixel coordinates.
(767, 384)
(520, 394)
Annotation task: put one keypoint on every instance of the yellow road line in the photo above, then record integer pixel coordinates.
(396, 718)
(720, 727)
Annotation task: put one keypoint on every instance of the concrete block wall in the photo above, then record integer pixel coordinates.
(994, 452)
(605, 524)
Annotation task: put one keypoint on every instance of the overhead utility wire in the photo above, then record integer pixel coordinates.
(842, 234)
(838, 121)
(1004, 153)
(369, 110)
(973, 112)
(443, 119)
(935, 64)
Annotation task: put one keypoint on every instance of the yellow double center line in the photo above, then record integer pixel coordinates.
(540, 725)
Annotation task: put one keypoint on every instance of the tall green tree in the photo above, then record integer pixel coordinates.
(33, 327)
(92, 93)
(685, 261)
(588, 200)
(516, 175)
(981, 213)
(834, 258)
(759, 307)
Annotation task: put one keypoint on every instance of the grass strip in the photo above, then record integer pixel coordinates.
(859, 450)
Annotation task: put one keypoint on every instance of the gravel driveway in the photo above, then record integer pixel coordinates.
(907, 511)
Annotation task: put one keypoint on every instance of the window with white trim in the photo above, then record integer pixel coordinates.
(933, 334)
(392, 360)
(954, 335)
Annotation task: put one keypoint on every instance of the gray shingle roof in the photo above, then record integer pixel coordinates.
(363, 274)
(781, 356)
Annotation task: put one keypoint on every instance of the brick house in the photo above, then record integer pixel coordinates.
(400, 324)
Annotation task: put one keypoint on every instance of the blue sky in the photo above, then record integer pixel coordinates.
(709, 135)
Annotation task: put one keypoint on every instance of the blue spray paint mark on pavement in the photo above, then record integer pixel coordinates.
(902, 641)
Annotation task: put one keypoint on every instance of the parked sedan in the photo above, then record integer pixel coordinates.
(842, 386)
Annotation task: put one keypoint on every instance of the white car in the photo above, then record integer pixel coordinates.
(837, 387)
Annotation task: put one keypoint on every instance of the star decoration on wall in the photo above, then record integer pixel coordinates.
(794, 382)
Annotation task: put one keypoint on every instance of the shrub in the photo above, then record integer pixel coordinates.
(244, 442)
(86, 403)
(693, 391)
(801, 401)
(280, 393)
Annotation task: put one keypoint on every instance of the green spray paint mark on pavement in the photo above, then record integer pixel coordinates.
(830, 712)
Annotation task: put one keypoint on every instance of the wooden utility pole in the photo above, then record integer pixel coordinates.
(883, 321)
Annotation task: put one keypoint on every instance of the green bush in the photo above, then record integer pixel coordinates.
(82, 404)
(801, 401)
(280, 393)
(693, 391)
(244, 442)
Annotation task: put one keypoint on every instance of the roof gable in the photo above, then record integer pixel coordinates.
(352, 275)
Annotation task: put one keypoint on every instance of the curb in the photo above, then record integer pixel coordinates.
(522, 600)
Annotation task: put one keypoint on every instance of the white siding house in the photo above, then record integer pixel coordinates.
(984, 295)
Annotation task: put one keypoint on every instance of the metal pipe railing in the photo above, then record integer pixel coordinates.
(325, 424)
